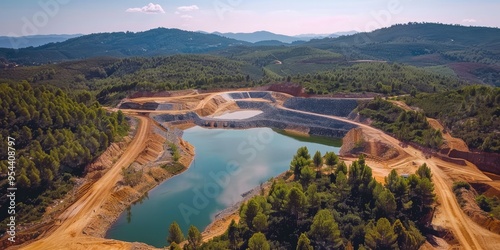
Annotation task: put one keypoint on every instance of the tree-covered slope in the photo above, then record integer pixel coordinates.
(153, 42)
(473, 53)
(378, 77)
(405, 125)
(54, 137)
(113, 78)
(471, 113)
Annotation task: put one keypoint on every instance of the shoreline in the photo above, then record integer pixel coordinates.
(222, 219)
(99, 227)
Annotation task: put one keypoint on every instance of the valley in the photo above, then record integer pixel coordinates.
(385, 139)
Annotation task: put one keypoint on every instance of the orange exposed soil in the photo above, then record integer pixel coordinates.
(219, 227)
(449, 141)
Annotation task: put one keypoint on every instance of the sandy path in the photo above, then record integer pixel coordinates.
(468, 233)
(68, 235)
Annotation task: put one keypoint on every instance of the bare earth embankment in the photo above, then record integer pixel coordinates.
(68, 234)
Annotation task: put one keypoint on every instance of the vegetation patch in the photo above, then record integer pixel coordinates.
(457, 190)
(471, 113)
(174, 168)
(55, 138)
(490, 205)
(405, 125)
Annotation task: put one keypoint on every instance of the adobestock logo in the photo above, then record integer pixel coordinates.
(218, 181)
(31, 26)
(223, 6)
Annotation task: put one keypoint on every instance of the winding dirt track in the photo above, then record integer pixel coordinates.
(68, 235)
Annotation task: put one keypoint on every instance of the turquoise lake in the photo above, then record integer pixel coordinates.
(227, 164)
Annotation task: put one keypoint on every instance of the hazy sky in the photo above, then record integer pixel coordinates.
(290, 17)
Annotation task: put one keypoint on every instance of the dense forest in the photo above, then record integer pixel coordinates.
(378, 77)
(404, 125)
(342, 208)
(55, 137)
(112, 79)
(471, 113)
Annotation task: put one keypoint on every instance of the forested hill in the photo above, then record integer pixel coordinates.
(407, 41)
(153, 42)
(54, 137)
(472, 53)
(471, 113)
(452, 35)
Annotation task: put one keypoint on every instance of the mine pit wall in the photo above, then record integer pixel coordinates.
(150, 106)
(324, 106)
(488, 162)
(272, 117)
(252, 94)
(145, 106)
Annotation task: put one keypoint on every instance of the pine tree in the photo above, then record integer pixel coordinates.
(249, 211)
(324, 230)
(233, 235)
(381, 236)
(194, 238)
(331, 159)
(318, 159)
(175, 234)
(307, 175)
(174, 246)
(296, 202)
(258, 241)
(424, 172)
(260, 222)
(385, 204)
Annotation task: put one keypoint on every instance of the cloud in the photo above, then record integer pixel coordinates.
(151, 8)
(188, 8)
(469, 20)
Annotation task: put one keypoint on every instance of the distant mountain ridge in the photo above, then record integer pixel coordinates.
(32, 41)
(155, 42)
(259, 36)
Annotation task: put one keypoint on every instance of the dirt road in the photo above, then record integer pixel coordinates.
(68, 235)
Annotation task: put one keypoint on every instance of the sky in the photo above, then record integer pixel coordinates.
(289, 17)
